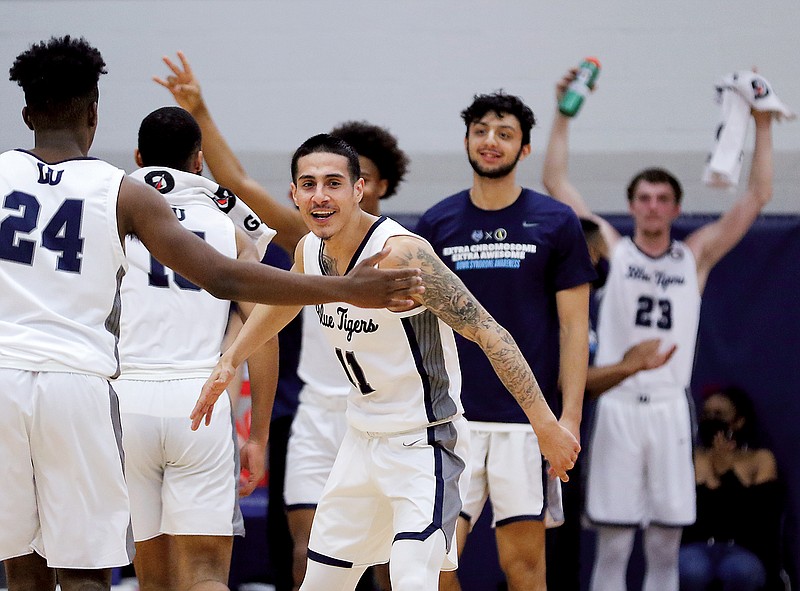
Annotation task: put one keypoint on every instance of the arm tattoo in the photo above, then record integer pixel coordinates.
(446, 296)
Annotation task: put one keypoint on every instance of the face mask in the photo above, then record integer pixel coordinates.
(708, 427)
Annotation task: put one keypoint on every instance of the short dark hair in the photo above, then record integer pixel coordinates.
(59, 78)
(656, 175)
(330, 144)
(379, 146)
(501, 104)
(170, 137)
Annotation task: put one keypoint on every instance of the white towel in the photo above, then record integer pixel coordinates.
(180, 184)
(737, 94)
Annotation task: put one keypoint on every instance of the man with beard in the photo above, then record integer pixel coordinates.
(524, 257)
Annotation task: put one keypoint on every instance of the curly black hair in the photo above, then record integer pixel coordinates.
(59, 78)
(378, 145)
(501, 104)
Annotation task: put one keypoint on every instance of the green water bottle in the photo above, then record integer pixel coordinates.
(577, 90)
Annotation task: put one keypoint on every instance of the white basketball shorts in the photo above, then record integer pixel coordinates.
(387, 488)
(640, 463)
(61, 468)
(507, 465)
(181, 482)
(318, 429)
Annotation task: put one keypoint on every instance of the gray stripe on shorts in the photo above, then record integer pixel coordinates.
(116, 422)
(448, 467)
(425, 341)
(237, 519)
(112, 320)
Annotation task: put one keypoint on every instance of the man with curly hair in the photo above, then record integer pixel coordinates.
(319, 424)
(524, 257)
(64, 513)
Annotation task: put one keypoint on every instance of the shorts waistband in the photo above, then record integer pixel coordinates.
(379, 434)
(335, 402)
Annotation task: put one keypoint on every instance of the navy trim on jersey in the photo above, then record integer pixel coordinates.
(430, 364)
(330, 561)
(361, 246)
(24, 151)
(655, 258)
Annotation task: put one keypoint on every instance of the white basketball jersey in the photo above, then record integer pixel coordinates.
(169, 324)
(318, 367)
(403, 367)
(61, 263)
(644, 298)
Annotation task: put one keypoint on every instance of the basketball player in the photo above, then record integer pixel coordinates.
(65, 215)
(183, 539)
(319, 425)
(395, 487)
(524, 256)
(640, 458)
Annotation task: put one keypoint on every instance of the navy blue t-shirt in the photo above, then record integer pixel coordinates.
(513, 260)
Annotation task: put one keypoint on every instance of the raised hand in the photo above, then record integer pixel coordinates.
(383, 288)
(182, 84)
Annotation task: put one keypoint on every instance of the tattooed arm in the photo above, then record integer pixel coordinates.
(449, 299)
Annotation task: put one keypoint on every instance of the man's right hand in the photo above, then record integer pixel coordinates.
(370, 287)
(182, 84)
(213, 388)
(559, 447)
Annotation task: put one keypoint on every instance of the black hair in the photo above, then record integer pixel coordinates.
(327, 143)
(170, 137)
(501, 104)
(59, 78)
(656, 175)
(379, 146)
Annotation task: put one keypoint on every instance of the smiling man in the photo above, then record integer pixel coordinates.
(524, 257)
(395, 490)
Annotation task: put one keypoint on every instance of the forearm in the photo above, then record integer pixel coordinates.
(602, 379)
(263, 324)
(556, 158)
(761, 170)
(229, 172)
(514, 372)
(254, 282)
(222, 161)
(573, 363)
(263, 369)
